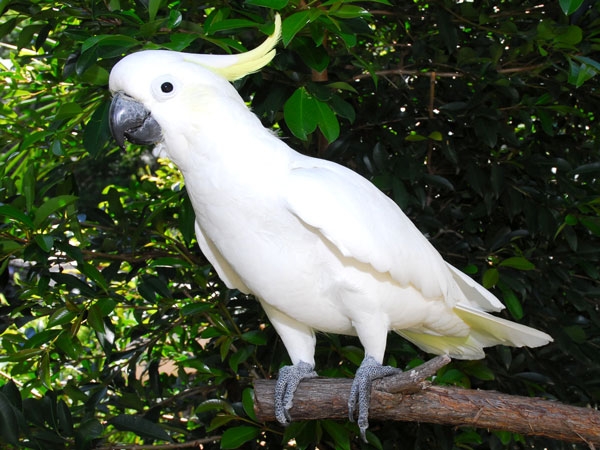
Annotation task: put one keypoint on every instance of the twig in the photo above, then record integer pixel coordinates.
(197, 443)
(428, 73)
(412, 380)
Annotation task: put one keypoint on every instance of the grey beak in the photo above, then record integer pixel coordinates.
(128, 119)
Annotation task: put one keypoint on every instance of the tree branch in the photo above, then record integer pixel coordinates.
(407, 397)
(438, 74)
(174, 446)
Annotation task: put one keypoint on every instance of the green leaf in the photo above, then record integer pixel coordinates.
(436, 136)
(19, 216)
(339, 434)
(353, 354)
(41, 338)
(8, 247)
(28, 187)
(239, 357)
(588, 61)
(576, 333)
(230, 24)
(93, 274)
(512, 303)
(342, 86)
(327, 121)
(448, 31)
(11, 391)
(120, 41)
(215, 404)
(518, 262)
(293, 24)
(342, 108)
(414, 137)
(52, 206)
(44, 241)
(570, 6)
(479, 370)
(316, 58)
(153, 287)
(271, 4)
(96, 75)
(580, 73)
(153, 7)
(349, 12)
(452, 377)
(467, 438)
(569, 36)
(22, 355)
(69, 344)
(95, 318)
(438, 180)
(255, 337)
(586, 168)
(9, 428)
(195, 308)
(140, 426)
(32, 138)
(44, 371)
(301, 113)
(96, 133)
(248, 403)
(490, 278)
(60, 317)
(88, 430)
(591, 223)
(237, 436)
(72, 282)
(170, 262)
(571, 237)
(471, 269)
(68, 110)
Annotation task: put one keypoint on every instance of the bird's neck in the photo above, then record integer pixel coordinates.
(233, 156)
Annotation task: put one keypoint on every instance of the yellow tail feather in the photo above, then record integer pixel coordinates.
(486, 330)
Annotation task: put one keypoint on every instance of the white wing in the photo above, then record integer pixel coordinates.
(223, 268)
(366, 225)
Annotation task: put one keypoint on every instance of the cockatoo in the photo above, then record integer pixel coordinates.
(319, 246)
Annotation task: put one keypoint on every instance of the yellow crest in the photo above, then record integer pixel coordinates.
(234, 67)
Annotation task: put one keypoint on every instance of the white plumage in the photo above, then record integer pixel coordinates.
(317, 244)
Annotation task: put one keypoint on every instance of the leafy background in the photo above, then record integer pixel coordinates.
(480, 119)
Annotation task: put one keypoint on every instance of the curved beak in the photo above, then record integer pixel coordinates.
(128, 119)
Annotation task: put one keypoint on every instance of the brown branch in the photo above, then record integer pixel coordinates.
(327, 398)
(192, 444)
(413, 72)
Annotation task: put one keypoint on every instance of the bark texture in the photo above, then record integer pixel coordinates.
(406, 397)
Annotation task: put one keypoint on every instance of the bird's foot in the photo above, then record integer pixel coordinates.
(360, 394)
(287, 382)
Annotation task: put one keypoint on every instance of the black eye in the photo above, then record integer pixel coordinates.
(166, 87)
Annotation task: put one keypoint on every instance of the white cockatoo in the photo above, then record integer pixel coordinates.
(319, 246)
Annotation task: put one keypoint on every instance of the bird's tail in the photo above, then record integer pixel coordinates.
(486, 330)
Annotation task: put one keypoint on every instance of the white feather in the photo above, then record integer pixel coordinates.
(317, 244)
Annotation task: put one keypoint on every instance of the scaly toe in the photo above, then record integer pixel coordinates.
(360, 393)
(287, 382)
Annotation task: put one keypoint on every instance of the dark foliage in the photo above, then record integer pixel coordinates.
(480, 119)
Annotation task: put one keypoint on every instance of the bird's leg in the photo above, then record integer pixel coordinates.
(360, 393)
(287, 382)
(299, 340)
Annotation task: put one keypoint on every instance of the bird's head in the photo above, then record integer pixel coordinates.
(156, 91)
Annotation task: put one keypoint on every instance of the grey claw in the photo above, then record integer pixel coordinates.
(360, 393)
(288, 380)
